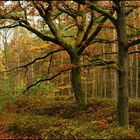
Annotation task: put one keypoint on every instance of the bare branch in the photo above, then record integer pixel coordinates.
(103, 12)
(9, 26)
(70, 36)
(47, 17)
(132, 27)
(136, 34)
(89, 27)
(70, 13)
(46, 79)
(25, 13)
(36, 59)
(70, 27)
(100, 40)
(39, 34)
(133, 52)
(56, 15)
(96, 32)
(131, 10)
(104, 63)
(110, 53)
(133, 43)
(45, 14)
(91, 38)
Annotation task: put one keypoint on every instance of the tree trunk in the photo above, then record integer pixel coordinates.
(80, 95)
(137, 74)
(123, 88)
(137, 63)
(131, 76)
(114, 73)
(104, 75)
(123, 66)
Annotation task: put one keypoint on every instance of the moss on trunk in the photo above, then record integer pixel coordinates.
(123, 66)
(79, 93)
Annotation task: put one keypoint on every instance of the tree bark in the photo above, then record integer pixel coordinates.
(123, 66)
(80, 95)
(137, 74)
(123, 88)
(114, 73)
(137, 64)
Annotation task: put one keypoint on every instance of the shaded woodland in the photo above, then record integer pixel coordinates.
(67, 60)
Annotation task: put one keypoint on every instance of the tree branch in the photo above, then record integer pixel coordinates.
(46, 79)
(100, 62)
(96, 32)
(133, 52)
(26, 25)
(131, 10)
(109, 53)
(90, 39)
(39, 34)
(9, 26)
(103, 12)
(46, 15)
(133, 43)
(70, 13)
(136, 34)
(100, 40)
(70, 27)
(36, 59)
(89, 27)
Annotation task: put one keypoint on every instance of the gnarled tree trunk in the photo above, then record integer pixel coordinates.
(80, 95)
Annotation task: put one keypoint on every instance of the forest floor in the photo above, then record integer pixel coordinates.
(58, 118)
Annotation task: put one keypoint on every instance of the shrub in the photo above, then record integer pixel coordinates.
(27, 125)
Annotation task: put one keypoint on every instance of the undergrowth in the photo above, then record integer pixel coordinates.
(48, 118)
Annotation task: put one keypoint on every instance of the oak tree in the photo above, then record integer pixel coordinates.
(68, 24)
